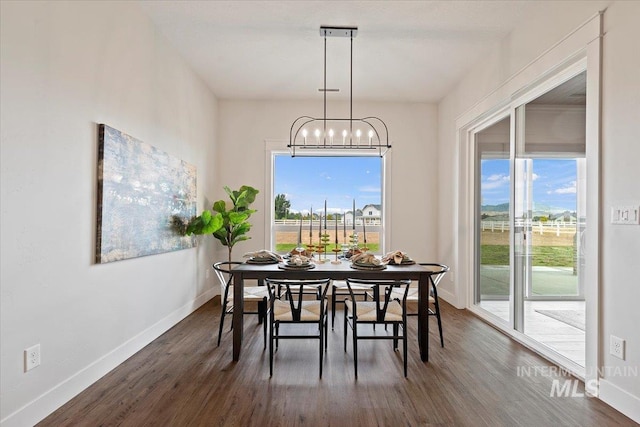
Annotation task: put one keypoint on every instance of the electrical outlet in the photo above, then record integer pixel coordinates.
(31, 357)
(616, 347)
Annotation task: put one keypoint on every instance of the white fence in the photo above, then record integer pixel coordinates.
(330, 222)
(540, 227)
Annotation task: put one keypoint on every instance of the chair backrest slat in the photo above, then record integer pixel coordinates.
(383, 298)
(296, 296)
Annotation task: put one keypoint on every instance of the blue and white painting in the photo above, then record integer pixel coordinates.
(142, 191)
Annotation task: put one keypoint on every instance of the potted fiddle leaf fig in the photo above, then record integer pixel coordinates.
(228, 226)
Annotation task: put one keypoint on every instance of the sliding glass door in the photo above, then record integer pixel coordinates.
(530, 201)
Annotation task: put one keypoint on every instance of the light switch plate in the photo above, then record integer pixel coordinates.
(628, 215)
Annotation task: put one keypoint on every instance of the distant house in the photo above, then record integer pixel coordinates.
(372, 214)
(348, 216)
(563, 217)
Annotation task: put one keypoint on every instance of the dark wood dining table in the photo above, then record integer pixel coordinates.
(340, 271)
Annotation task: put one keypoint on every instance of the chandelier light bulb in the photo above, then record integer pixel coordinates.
(358, 135)
(304, 135)
(317, 134)
(331, 136)
(344, 137)
(370, 136)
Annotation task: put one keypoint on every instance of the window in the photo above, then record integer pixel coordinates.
(302, 185)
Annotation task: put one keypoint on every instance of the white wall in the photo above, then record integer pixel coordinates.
(67, 66)
(245, 125)
(620, 245)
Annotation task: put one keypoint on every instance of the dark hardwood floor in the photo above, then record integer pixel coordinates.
(183, 379)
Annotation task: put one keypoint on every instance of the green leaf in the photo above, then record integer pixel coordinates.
(238, 217)
(243, 228)
(214, 224)
(220, 206)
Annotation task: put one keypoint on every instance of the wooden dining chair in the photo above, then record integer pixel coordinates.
(296, 309)
(339, 290)
(386, 308)
(438, 272)
(252, 294)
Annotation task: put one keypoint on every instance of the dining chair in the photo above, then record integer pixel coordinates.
(438, 272)
(295, 309)
(252, 294)
(339, 289)
(386, 308)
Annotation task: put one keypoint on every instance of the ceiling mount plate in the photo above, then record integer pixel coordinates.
(336, 31)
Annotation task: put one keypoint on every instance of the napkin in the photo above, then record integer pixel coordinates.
(353, 251)
(365, 258)
(305, 252)
(396, 256)
(263, 254)
(299, 260)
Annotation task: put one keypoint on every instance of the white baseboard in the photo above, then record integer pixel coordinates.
(619, 399)
(38, 409)
(448, 296)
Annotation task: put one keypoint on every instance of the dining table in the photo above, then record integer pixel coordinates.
(334, 271)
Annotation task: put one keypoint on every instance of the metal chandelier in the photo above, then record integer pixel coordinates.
(340, 135)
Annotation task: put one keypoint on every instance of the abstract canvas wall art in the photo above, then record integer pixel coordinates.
(141, 192)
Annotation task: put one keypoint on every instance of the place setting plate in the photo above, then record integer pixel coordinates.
(262, 261)
(287, 266)
(404, 262)
(359, 266)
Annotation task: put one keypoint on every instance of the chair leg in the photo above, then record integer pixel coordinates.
(439, 323)
(224, 310)
(264, 332)
(395, 336)
(320, 344)
(344, 329)
(333, 307)
(326, 331)
(271, 349)
(355, 348)
(404, 347)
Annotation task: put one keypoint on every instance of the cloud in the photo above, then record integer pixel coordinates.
(495, 181)
(369, 189)
(567, 189)
(535, 176)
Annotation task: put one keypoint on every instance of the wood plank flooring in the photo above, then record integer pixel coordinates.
(183, 379)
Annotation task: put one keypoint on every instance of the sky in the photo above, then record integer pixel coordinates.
(554, 182)
(309, 181)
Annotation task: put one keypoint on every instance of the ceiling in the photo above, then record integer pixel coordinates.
(409, 51)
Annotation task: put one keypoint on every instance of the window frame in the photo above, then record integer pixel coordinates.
(279, 147)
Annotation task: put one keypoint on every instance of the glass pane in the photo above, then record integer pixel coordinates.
(554, 229)
(304, 184)
(550, 200)
(493, 285)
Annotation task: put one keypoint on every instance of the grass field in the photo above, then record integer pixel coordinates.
(287, 240)
(548, 250)
(282, 248)
(547, 256)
